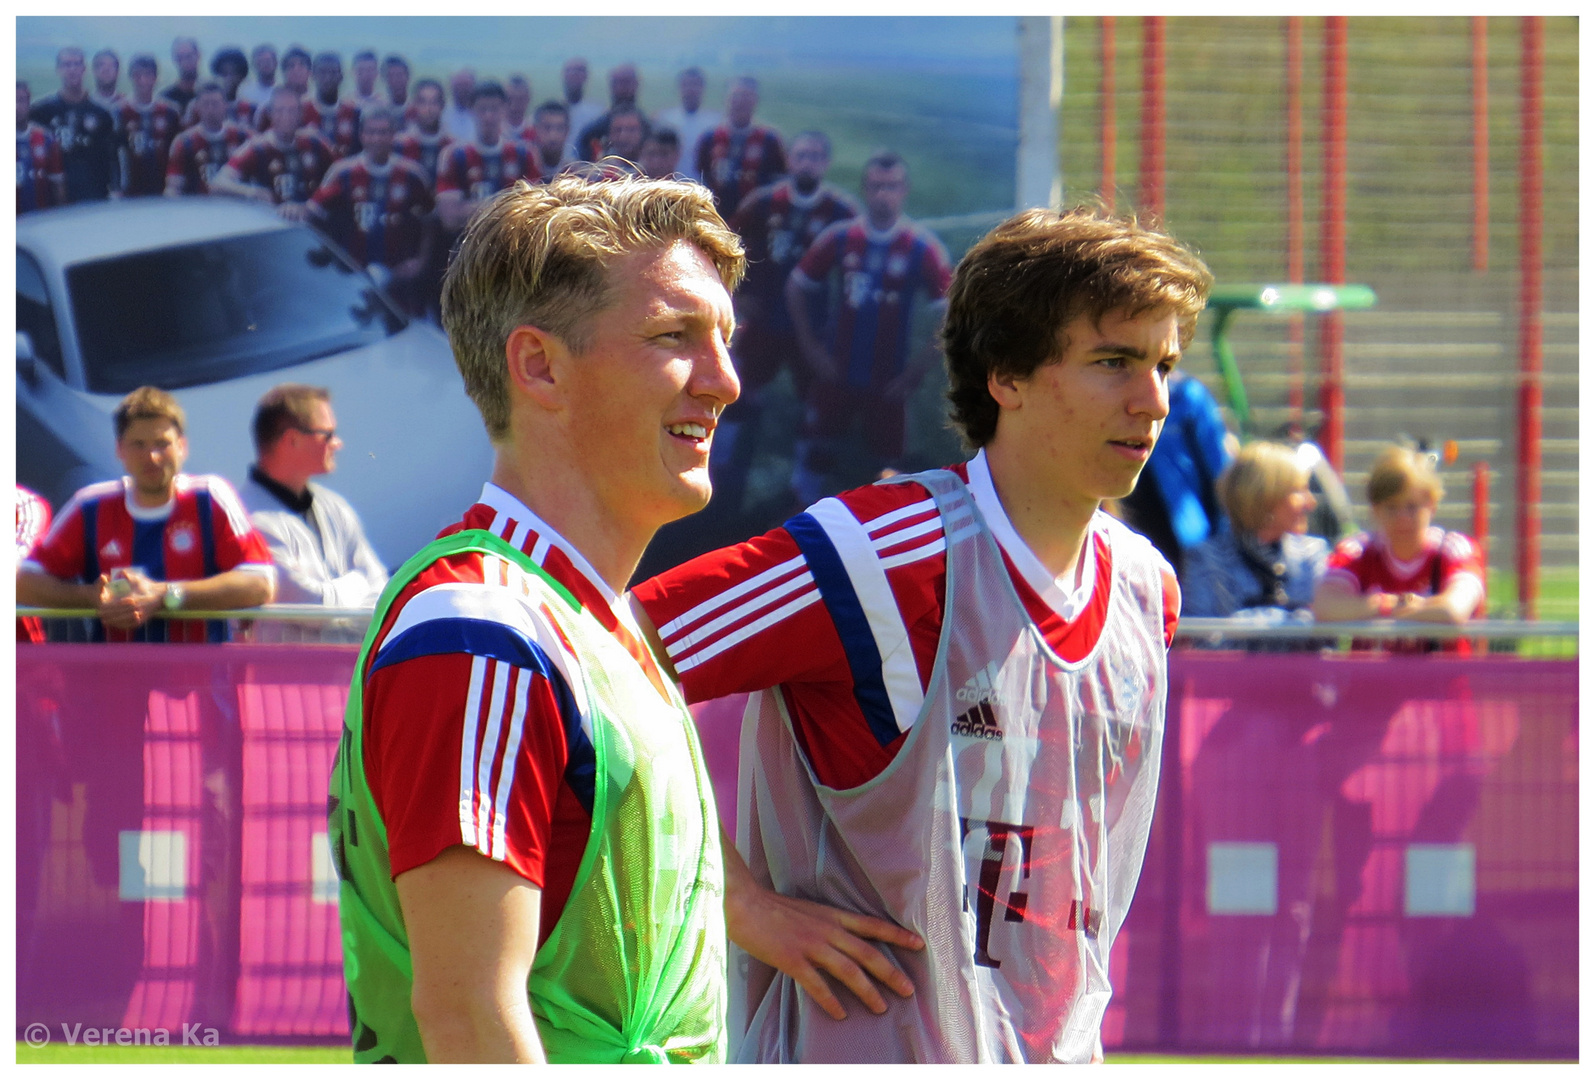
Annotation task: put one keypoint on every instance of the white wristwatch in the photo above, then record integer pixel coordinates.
(174, 596)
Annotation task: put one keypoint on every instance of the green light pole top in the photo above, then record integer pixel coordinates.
(1293, 297)
(1226, 300)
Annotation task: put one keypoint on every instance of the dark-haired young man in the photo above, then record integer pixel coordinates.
(84, 132)
(378, 206)
(778, 223)
(547, 152)
(959, 677)
(366, 70)
(146, 126)
(396, 83)
(281, 168)
(423, 141)
(661, 153)
(883, 269)
(337, 119)
(199, 153)
(472, 171)
(107, 68)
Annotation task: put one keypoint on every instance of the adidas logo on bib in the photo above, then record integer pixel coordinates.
(978, 723)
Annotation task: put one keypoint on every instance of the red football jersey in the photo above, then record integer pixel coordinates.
(202, 532)
(473, 734)
(777, 225)
(425, 150)
(734, 161)
(751, 616)
(882, 274)
(477, 171)
(377, 214)
(290, 173)
(198, 154)
(145, 133)
(339, 124)
(39, 168)
(33, 520)
(1365, 563)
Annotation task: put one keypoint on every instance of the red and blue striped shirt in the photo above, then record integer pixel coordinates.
(882, 274)
(473, 734)
(203, 531)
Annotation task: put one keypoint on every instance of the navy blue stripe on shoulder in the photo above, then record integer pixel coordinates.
(494, 640)
(476, 637)
(852, 625)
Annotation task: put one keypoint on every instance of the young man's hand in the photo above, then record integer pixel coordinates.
(803, 939)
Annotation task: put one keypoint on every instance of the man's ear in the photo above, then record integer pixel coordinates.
(530, 355)
(1004, 387)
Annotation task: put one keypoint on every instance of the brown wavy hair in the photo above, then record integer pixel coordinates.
(1027, 279)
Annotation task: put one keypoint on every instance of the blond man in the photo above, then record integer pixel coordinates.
(525, 832)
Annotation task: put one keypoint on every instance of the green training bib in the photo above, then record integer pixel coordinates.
(635, 968)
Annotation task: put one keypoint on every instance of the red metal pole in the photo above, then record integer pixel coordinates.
(1481, 513)
(1110, 141)
(1295, 221)
(1152, 116)
(1332, 253)
(1481, 145)
(1529, 340)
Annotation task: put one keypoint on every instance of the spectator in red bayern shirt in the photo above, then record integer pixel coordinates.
(1406, 568)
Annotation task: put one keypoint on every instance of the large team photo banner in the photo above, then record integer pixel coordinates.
(165, 292)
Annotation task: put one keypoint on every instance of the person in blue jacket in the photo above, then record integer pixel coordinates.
(1175, 504)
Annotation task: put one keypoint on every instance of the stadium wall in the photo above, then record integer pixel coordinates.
(1437, 359)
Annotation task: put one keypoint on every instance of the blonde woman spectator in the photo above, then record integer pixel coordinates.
(1264, 564)
(1406, 567)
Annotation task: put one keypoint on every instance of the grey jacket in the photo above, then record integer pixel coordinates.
(323, 560)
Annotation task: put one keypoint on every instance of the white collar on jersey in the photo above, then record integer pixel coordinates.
(880, 236)
(148, 513)
(502, 501)
(1432, 539)
(1067, 602)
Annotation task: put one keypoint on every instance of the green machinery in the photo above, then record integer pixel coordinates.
(1226, 300)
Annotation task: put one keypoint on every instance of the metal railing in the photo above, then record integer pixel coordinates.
(1374, 630)
(1189, 629)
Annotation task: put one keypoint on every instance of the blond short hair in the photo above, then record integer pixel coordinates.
(539, 256)
(1261, 475)
(1398, 468)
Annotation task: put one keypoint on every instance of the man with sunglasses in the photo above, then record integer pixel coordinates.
(314, 535)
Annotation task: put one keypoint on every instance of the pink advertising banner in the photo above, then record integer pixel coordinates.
(1373, 854)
